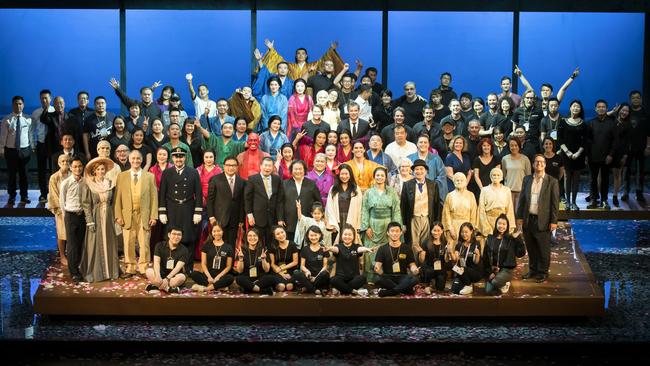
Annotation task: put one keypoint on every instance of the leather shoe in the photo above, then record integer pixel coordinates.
(541, 278)
(529, 275)
(77, 278)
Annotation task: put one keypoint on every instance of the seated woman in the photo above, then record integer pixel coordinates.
(306, 222)
(500, 256)
(467, 261)
(253, 267)
(349, 276)
(274, 138)
(169, 258)
(216, 263)
(435, 260)
(313, 275)
(284, 259)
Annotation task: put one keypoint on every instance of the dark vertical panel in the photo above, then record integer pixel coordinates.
(384, 45)
(123, 81)
(253, 37)
(515, 46)
(646, 59)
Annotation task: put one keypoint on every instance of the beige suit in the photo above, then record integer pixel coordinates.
(136, 214)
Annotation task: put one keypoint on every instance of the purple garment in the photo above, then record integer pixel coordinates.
(324, 182)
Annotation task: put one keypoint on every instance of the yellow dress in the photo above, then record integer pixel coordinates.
(364, 176)
(458, 209)
(272, 58)
(491, 203)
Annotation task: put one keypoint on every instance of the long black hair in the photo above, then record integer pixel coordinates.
(352, 184)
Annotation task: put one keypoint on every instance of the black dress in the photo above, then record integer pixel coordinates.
(574, 137)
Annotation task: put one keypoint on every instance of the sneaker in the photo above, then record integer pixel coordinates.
(467, 290)
(615, 200)
(588, 198)
(575, 207)
(174, 290)
(335, 292)
(505, 288)
(428, 290)
(25, 201)
(151, 288)
(317, 292)
(593, 205)
(11, 200)
(362, 292)
(625, 197)
(42, 199)
(604, 205)
(198, 288)
(639, 197)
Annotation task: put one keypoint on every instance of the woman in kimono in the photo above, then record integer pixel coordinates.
(300, 105)
(309, 146)
(459, 208)
(273, 104)
(54, 206)
(323, 179)
(362, 168)
(272, 139)
(344, 202)
(380, 207)
(494, 201)
(284, 160)
(99, 261)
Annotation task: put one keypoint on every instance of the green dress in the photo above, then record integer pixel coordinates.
(377, 211)
(223, 150)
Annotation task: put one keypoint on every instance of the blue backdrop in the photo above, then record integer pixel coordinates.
(70, 50)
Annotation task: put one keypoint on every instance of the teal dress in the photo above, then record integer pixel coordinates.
(377, 211)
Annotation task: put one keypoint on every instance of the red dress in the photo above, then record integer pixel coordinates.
(297, 113)
(206, 228)
(342, 156)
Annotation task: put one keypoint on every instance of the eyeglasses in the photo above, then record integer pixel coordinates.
(231, 165)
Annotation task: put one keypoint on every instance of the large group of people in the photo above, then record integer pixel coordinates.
(317, 179)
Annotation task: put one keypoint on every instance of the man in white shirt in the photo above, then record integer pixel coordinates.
(16, 142)
(73, 217)
(201, 101)
(400, 148)
(365, 109)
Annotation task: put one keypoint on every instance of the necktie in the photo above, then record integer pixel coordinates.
(354, 130)
(18, 132)
(135, 178)
(267, 186)
(231, 182)
(420, 185)
(60, 125)
(179, 171)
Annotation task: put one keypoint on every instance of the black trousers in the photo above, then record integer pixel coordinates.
(44, 167)
(189, 266)
(267, 236)
(16, 165)
(402, 284)
(75, 228)
(439, 278)
(346, 284)
(469, 276)
(264, 282)
(321, 281)
(538, 244)
(602, 169)
(201, 279)
(230, 233)
(635, 160)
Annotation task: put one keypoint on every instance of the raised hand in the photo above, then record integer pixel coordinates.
(145, 123)
(114, 83)
(359, 64)
(334, 44)
(263, 256)
(575, 73)
(257, 54)
(517, 71)
(188, 77)
(346, 66)
(268, 43)
(156, 84)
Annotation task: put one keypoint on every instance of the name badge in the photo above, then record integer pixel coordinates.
(170, 264)
(396, 267)
(216, 263)
(252, 272)
(459, 270)
(553, 135)
(461, 262)
(437, 265)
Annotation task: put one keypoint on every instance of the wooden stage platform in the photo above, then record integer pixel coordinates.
(631, 210)
(570, 292)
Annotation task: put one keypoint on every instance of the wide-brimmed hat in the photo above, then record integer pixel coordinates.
(90, 167)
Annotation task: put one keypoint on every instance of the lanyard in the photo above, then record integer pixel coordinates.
(395, 258)
(286, 251)
(217, 256)
(466, 252)
(250, 259)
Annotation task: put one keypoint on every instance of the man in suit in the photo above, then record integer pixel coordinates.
(226, 200)
(537, 214)
(297, 188)
(263, 196)
(359, 128)
(68, 147)
(136, 211)
(420, 205)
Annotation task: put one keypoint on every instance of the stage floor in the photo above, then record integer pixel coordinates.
(571, 291)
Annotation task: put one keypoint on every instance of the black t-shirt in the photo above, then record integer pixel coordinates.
(144, 150)
(484, 170)
(313, 260)
(252, 258)
(433, 253)
(98, 128)
(553, 166)
(162, 250)
(311, 128)
(640, 130)
(320, 82)
(217, 256)
(388, 255)
(467, 255)
(548, 126)
(284, 256)
(347, 260)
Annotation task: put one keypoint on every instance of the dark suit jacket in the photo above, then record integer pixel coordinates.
(256, 201)
(51, 120)
(363, 128)
(548, 202)
(309, 194)
(407, 203)
(225, 206)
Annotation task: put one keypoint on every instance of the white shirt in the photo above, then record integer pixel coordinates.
(70, 195)
(8, 132)
(397, 152)
(365, 110)
(298, 186)
(40, 127)
(200, 105)
(136, 174)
